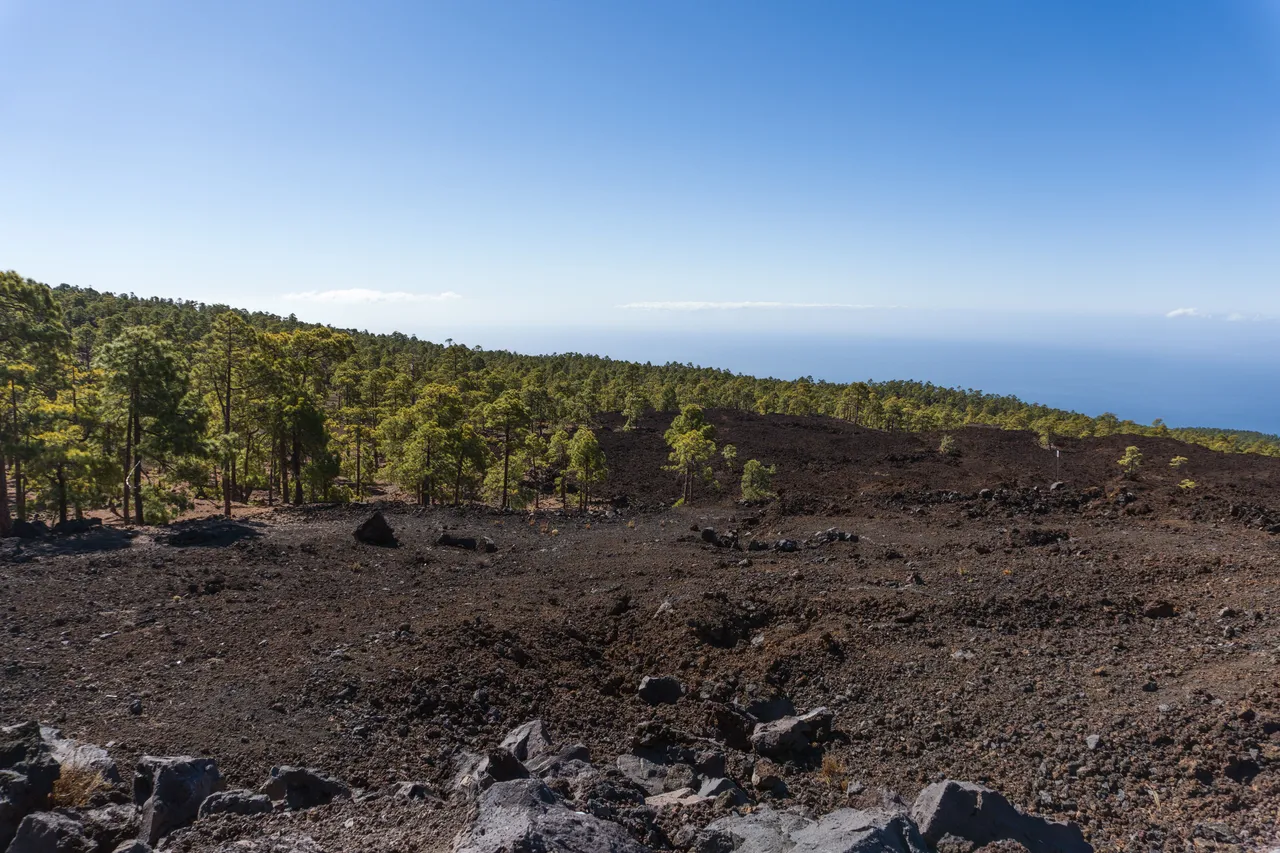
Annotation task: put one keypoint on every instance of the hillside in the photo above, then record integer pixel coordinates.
(143, 406)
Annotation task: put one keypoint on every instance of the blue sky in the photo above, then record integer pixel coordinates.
(892, 168)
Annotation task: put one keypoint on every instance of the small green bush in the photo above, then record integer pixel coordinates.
(1131, 461)
(1178, 461)
(1187, 484)
(757, 480)
(161, 505)
(949, 446)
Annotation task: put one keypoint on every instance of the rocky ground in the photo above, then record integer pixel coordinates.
(1104, 652)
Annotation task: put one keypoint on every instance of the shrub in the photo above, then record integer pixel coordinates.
(160, 504)
(833, 772)
(1178, 461)
(1131, 461)
(730, 454)
(1187, 484)
(949, 446)
(757, 481)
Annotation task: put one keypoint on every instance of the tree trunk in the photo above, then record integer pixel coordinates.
(430, 477)
(506, 461)
(297, 469)
(248, 448)
(62, 493)
(457, 485)
(137, 467)
(5, 524)
(128, 458)
(228, 464)
(19, 487)
(284, 469)
(227, 469)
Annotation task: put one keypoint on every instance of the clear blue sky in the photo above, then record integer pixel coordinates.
(424, 165)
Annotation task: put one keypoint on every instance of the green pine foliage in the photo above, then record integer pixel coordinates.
(141, 405)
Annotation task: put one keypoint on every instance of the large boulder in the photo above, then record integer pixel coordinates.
(111, 826)
(982, 816)
(303, 788)
(170, 791)
(50, 832)
(843, 831)
(375, 530)
(791, 737)
(528, 741)
(524, 815)
(27, 773)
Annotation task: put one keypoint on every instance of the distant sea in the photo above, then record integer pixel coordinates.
(1212, 386)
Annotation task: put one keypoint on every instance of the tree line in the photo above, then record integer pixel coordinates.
(140, 404)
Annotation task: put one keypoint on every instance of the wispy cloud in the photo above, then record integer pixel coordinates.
(363, 296)
(733, 306)
(1233, 317)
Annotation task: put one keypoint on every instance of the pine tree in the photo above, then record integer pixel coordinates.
(147, 386)
(33, 340)
(586, 463)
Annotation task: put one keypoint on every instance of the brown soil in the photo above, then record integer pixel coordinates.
(977, 637)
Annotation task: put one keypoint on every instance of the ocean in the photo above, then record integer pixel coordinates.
(1228, 386)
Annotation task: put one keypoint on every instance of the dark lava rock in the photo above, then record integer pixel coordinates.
(170, 791)
(528, 741)
(983, 816)
(525, 815)
(766, 830)
(67, 750)
(791, 737)
(448, 540)
(660, 690)
(375, 530)
(28, 770)
(50, 832)
(240, 802)
(1159, 610)
(481, 772)
(303, 788)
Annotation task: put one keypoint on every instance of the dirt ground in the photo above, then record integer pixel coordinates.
(1107, 651)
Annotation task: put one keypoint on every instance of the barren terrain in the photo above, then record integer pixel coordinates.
(1105, 651)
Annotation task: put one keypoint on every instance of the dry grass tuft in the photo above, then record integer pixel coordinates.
(76, 785)
(833, 771)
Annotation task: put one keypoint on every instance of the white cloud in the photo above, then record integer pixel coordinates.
(362, 296)
(1186, 312)
(723, 306)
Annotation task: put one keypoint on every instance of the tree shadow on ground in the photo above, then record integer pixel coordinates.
(210, 533)
(93, 540)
